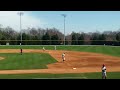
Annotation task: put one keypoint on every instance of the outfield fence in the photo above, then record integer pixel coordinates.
(60, 42)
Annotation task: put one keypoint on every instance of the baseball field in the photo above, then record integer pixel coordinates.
(82, 62)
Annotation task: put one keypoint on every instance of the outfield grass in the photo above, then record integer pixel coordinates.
(26, 47)
(25, 61)
(114, 51)
(111, 75)
(40, 60)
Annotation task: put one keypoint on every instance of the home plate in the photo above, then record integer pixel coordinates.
(74, 68)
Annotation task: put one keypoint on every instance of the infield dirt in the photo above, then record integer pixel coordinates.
(83, 62)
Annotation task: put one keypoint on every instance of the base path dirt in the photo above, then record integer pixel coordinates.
(83, 62)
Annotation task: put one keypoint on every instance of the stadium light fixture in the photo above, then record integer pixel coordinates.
(20, 14)
(64, 15)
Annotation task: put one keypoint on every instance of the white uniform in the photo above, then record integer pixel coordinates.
(43, 48)
(104, 71)
(55, 47)
(63, 57)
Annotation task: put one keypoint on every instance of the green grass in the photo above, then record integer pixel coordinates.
(25, 61)
(111, 75)
(26, 47)
(38, 61)
(113, 51)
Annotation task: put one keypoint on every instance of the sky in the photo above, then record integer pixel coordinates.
(77, 21)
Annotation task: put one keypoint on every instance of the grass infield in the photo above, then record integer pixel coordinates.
(26, 61)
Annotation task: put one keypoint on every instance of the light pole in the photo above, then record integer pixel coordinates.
(64, 15)
(20, 14)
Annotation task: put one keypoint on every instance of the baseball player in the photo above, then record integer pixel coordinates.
(63, 56)
(21, 51)
(104, 75)
(43, 49)
(55, 47)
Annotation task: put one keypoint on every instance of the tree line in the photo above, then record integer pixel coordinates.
(52, 36)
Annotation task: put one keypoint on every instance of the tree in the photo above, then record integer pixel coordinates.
(54, 39)
(25, 37)
(46, 39)
(102, 39)
(95, 38)
(3, 42)
(18, 39)
(81, 39)
(74, 39)
(118, 36)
